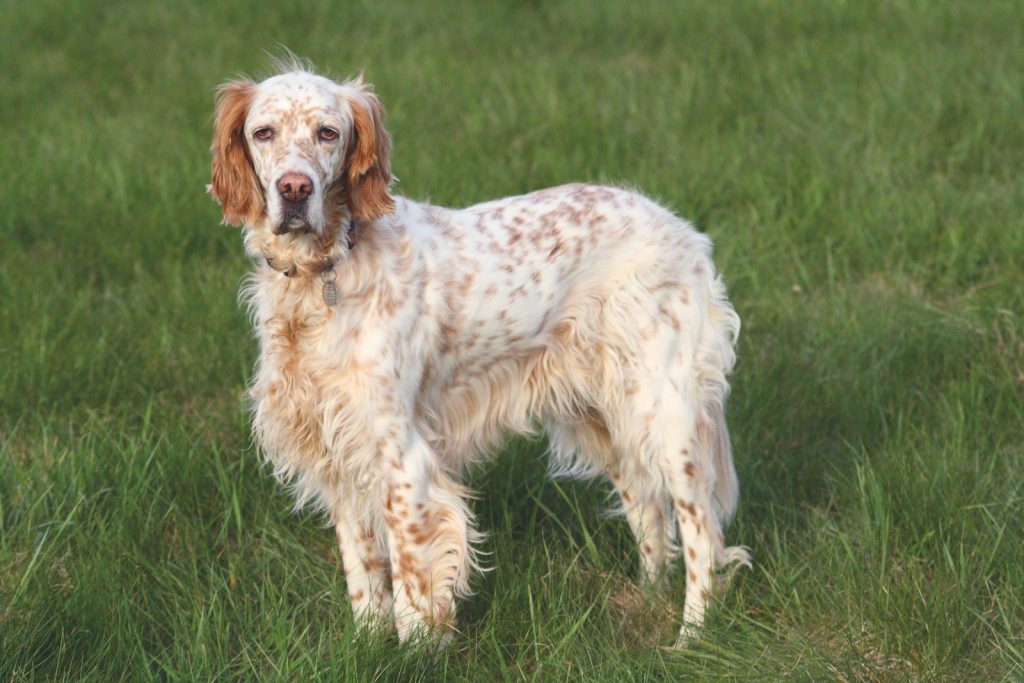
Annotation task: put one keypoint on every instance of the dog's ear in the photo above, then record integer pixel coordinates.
(233, 181)
(368, 163)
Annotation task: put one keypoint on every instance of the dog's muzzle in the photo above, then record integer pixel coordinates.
(294, 190)
(293, 218)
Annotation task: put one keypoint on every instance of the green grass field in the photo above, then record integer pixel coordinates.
(858, 165)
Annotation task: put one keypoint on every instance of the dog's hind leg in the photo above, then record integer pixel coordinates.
(652, 527)
(673, 425)
(695, 459)
(582, 446)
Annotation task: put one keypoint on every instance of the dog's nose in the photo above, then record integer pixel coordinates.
(295, 186)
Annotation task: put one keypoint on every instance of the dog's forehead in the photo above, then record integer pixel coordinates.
(297, 91)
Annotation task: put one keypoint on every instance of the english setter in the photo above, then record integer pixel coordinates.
(399, 341)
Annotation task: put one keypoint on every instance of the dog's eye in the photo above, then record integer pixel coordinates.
(265, 133)
(327, 134)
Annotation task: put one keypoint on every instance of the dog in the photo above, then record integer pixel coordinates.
(400, 340)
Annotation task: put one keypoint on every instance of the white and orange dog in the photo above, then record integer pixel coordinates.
(400, 340)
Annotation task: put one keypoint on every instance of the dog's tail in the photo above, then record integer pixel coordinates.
(716, 356)
(726, 492)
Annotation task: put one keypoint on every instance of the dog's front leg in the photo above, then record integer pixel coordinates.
(429, 541)
(366, 570)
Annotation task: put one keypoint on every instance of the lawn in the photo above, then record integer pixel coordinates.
(858, 165)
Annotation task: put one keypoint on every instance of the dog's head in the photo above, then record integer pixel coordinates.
(291, 150)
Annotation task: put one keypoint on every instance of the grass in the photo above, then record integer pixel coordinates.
(858, 166)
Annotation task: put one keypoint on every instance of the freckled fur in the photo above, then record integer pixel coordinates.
(590, 310)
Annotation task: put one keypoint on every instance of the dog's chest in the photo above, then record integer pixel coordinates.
(288, 389)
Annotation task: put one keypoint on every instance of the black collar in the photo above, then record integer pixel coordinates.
(350, 234)
(350, 243)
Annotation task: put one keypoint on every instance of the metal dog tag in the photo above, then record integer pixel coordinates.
(329, 290)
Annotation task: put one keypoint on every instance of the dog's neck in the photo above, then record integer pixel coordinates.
(302, 253)
(363, 260)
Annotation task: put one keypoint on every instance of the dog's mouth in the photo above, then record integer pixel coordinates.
(293, 221)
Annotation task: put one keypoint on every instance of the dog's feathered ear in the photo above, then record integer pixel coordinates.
(233, 181)
(368, 163)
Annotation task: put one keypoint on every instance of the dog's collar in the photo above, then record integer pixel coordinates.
(350, 234)
(350, 243)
